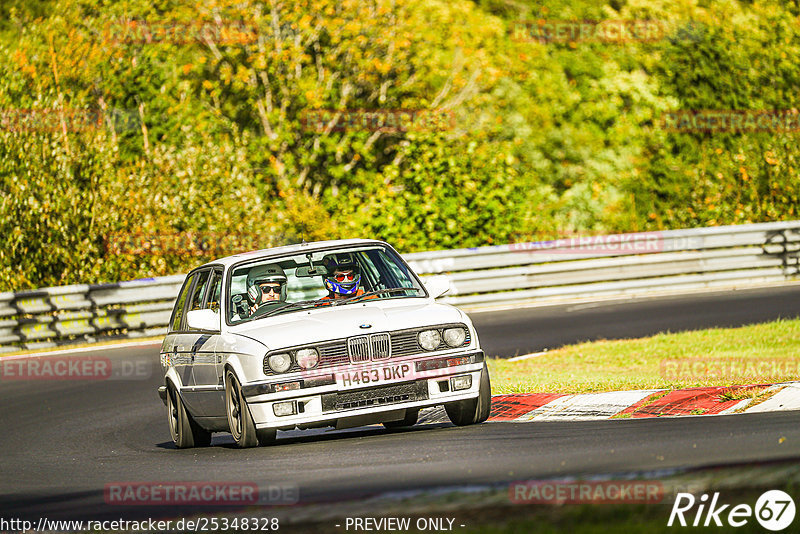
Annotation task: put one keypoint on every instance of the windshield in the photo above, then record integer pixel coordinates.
(331, 277)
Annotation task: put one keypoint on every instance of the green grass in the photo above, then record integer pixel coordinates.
(741, 394)
(640, 363)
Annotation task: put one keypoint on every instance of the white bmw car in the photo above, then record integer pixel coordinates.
(333, 333)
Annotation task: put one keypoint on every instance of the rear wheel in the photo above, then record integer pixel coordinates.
(412, 414)
(472, 411)
(240, 421)
(185, 432)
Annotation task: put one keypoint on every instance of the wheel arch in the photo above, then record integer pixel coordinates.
(233, 363)
(172, 378)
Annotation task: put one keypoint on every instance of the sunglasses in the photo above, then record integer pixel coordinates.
(349, 276)
(271, 289)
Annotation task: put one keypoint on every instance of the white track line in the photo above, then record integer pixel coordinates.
(95, 348)
(527, 356)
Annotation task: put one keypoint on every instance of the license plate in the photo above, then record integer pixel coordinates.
(375, 375)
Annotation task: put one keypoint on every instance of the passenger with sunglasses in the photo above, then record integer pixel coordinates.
(344, 278)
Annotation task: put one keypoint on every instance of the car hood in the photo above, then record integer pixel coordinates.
(319, 325)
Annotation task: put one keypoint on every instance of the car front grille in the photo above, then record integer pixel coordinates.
(381, 346)
(360, 349)
(405, 343)
(379, 396)
(333, 353)
(372, 347)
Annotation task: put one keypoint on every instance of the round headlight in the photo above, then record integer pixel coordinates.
(307, 358)
(280, 363)
(455, 336)
(429, 339)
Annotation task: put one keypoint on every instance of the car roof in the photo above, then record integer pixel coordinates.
(290, 249)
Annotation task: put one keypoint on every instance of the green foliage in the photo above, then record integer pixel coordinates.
(196, 123)
(434, 197)
(741, 57)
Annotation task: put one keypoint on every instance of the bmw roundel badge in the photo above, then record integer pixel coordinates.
(365, 326)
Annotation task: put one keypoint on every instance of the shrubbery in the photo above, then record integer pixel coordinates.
(204, 131)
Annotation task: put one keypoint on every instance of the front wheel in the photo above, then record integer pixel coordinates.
(185, 432)
(472, 411)
(240, 421)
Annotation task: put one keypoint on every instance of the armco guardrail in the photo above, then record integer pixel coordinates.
(503, 274)
(622, 264)
(86, 313)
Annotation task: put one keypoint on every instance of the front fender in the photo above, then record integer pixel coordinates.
(472, 331)
(244, 355)
(234, 363)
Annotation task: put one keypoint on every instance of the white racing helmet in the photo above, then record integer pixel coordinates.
(265, 273)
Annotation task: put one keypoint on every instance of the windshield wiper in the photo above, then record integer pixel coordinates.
(376, 292)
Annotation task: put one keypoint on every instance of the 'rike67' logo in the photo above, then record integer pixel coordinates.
(774, 510)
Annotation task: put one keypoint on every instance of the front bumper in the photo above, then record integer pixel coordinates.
(329, 400)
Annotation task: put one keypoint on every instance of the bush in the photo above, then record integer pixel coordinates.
(202, 137)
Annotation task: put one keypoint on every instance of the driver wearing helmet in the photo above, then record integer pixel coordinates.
(344, 277)
(265, 284)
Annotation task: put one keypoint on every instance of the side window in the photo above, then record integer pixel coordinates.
(214, 292)
(180, 304)
(196, 298)
(238, 288)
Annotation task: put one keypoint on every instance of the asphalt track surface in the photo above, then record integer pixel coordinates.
(512, 332)
(63, 441)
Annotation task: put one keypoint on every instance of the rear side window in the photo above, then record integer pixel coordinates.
(196, 299)
(212, 302)
(180, 304)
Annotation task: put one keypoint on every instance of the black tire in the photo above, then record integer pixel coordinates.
(185, 432)
(412, 414)
(472, 411)
(240, 422)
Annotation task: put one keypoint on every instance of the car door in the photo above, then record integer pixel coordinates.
(189, 343)
(207, 363)
(169, 349)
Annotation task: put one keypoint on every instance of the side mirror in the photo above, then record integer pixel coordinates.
(203, 320)
(437, 285)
